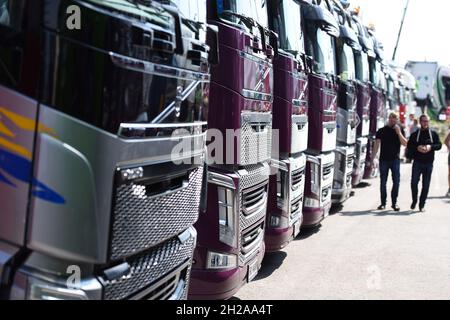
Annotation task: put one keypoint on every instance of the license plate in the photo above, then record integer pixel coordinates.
(252, 270)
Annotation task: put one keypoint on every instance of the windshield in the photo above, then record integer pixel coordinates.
(324, 53)
(142, 12)
(255, 9)
(192, 9)
(362, 66)
(285, 21)
(391, 87)
(375, 70)
(346, 61)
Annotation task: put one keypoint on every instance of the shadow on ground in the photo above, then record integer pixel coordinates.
(363, 185)
(272, 261)
(306, 233)
(377, 213)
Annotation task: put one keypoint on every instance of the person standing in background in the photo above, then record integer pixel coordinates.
(423, 144)
(390, 138)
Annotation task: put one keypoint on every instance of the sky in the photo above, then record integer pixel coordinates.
(425, 32)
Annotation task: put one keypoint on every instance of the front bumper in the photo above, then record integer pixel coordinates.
(312, 217)
(278, 238)
(222, 284)
(161, 273)
(340, 196)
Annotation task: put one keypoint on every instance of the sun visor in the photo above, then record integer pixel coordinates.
(323, 17)
(350, 37)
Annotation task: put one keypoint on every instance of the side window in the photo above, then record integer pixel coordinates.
(4, 13)
(12, 13)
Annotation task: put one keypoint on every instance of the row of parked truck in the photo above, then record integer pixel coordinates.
(94, 202)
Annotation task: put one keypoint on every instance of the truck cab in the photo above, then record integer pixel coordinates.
(364, 98)
(377, 104)
(321, 30)
(290, 118)
(347, 118)
(94, 202)
(231, 228)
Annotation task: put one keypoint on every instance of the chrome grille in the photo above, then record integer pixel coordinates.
(251, 240)
(141, 220)
(252, 176)
(327, 172)
(296, 208)
(297, 179)
(150, 277)
(255, 142)
(254, 199)
(350, 161)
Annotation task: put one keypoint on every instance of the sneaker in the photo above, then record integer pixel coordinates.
(422, 209)
(382, 207)
(396, 208)
(448, 194)
(413, 206)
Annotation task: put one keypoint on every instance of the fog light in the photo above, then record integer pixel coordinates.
(311, 203)
(275, 221)
(221, 261)
(337, 185)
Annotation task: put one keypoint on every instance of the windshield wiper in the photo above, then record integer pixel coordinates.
(248, 21)
(195, 26)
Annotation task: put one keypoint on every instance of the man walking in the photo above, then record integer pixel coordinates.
(390, 138)
(423, 144)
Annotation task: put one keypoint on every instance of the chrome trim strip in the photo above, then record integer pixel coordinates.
(157, 69)
(180, 98)
(221, 180)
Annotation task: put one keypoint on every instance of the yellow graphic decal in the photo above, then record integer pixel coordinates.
(5, 130)
(25, 123)
(18, 149)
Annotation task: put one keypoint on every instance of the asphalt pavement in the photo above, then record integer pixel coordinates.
(361, 253)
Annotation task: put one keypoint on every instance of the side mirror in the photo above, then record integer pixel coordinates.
(273, 40)
(179, 46)
(212, 40)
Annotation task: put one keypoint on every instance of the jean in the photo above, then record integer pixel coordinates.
(385, 166)
(425, 170)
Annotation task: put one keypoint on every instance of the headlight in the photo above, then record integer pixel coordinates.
(221, 261)
(227, 217)
(42, 291)
(282, 178)
(311, 203)
(37, 289)
(315, 179)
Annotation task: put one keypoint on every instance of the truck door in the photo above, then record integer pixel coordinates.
(19, 64)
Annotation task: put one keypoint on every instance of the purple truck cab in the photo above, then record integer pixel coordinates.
(347, 119)
(321, 29)
(364, 98)
(290, 118)
(377, 105)
(231, 228)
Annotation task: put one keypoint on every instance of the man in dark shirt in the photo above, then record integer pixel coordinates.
(423, 145)
(390, 138)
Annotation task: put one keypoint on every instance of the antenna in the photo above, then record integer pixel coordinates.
(401, 29)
